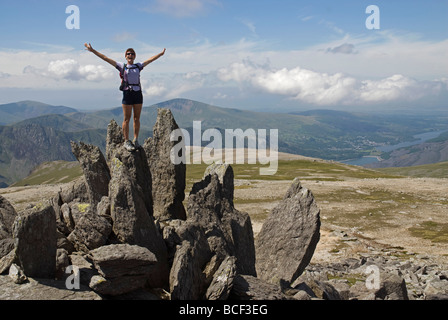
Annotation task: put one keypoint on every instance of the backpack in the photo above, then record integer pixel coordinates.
(124, 83)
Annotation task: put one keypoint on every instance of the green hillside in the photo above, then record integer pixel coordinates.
(435, 170)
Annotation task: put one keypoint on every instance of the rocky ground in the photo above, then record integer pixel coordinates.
(364, 222)
(398, 225)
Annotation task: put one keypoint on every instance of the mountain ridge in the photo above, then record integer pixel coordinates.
(323, 134)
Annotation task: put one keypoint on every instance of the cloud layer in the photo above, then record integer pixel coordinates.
(70, 69)
(328, 89)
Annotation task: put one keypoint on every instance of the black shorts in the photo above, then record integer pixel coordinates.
(132, 97)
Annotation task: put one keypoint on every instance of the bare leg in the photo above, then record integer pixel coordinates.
(127, 112)
(137, 113)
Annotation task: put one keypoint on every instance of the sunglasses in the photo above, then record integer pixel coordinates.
(130, 54)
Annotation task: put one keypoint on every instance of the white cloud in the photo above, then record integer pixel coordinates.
(70, 69)
(346, 48)
(155, 91)
(328, 89)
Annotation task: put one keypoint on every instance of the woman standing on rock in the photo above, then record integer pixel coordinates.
(132, 90)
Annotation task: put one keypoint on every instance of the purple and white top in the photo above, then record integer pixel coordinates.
(131, 74)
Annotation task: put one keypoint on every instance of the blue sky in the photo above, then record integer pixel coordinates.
(261, 55)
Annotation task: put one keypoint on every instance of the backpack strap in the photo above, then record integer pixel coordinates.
(124, 82)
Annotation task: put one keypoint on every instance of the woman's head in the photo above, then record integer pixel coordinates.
(130, 55)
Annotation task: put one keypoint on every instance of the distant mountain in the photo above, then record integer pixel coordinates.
(38, 132)
(326, 134)
(23, 147)
(55, 121)
(18, 111)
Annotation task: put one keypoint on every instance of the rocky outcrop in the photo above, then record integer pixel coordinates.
(288, 238)
(168, 179)
(122, 231)
(96, 171)
(34, 233)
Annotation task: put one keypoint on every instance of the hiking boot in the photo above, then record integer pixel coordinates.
(129, 146)
(136, 144)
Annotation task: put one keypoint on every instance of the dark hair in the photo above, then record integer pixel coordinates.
(130, 50)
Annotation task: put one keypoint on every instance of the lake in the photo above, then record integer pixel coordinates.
(420, 138)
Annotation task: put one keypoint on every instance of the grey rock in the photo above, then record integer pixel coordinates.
(392, 287)
(16, 274)
(168, 179)
(6, 245)
(225, 176)
(117, 286)
(187, 279)
(122, 268)
(117, 260)
(229, 231)
(76, 190)
(7, 261)
(302, 295)
(135, 166)
(34, 232)
(96, 171)
(132, 223)
(62, 262)
(114, 140)
(319, 289)
(91, 232)
(103, 208)
(67, 217)
(84, 266)
(247, 287)
(222, 282)
(7, 217)
(288, 238)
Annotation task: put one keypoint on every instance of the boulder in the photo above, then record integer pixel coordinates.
(392, 287)
(96, 171)
(135, 166)
(34, 232)
(222, 282)
(288, 238)
(131, 221)
(247, 287)
(225, 176)
(168, 178)
(91, 232)
(116, 260)
(188, 279)
(76, 190)
(229, 231)
(122, 268)
(16, 274)
(7, 217)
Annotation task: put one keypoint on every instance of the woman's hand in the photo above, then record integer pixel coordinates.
(88, 47)
(100, 55)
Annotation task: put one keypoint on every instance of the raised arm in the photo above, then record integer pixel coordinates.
(100, 55)
(154, 58)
